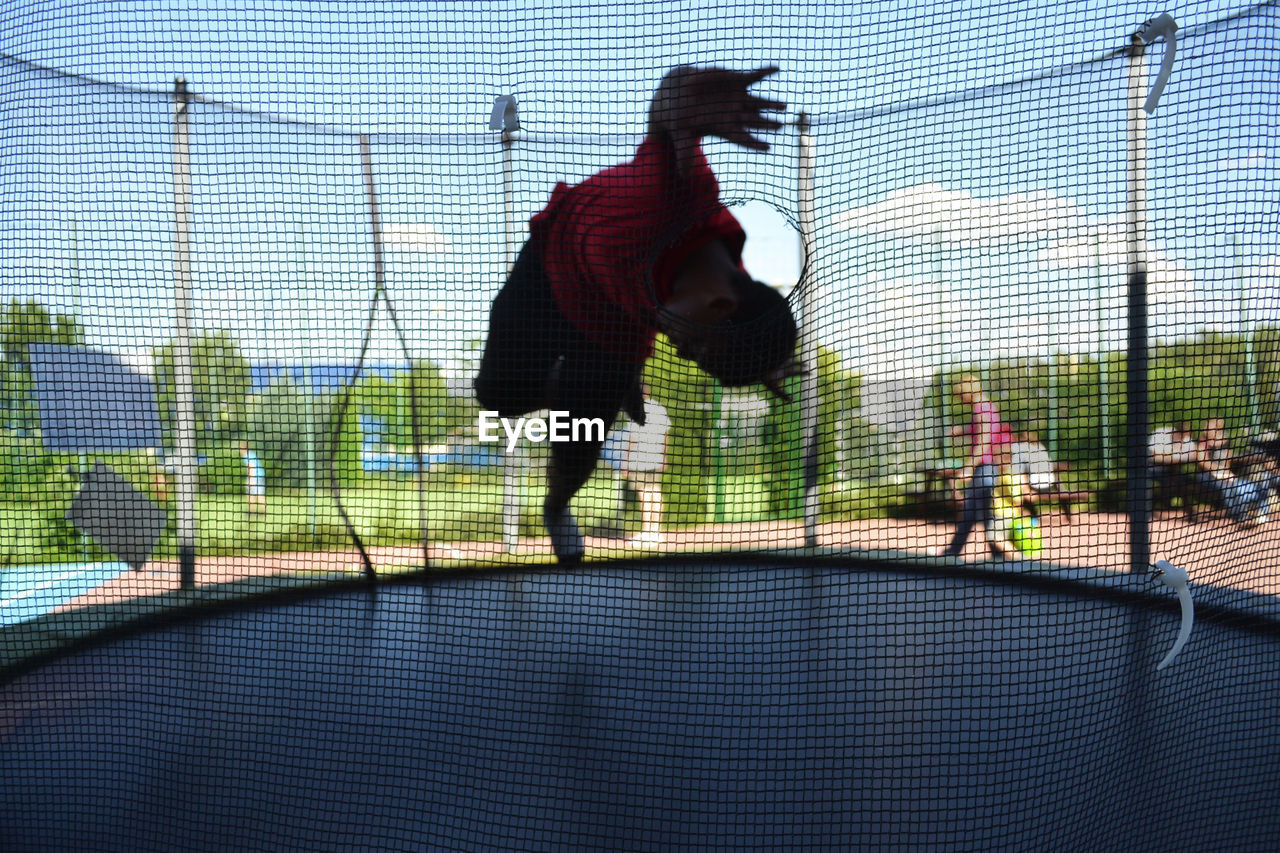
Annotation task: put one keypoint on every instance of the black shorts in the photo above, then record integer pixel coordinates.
(534, 358)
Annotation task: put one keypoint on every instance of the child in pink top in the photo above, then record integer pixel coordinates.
(978, 474)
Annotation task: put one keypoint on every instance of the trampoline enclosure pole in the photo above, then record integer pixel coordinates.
(719, 485)
(1104, 361)
(184, 386)
(1139, 413)
(505, 119)
(1249, 334)
(1138, 426)
(809, 407)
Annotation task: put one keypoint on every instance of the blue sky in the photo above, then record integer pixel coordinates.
(990, 224)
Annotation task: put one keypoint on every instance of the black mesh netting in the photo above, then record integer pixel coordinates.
(290, 303)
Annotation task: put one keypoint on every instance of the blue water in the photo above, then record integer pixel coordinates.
(28, 592)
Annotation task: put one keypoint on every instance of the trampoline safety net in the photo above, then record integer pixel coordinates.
(610, 425)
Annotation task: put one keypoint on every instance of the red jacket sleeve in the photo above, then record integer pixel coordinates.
(613, 244)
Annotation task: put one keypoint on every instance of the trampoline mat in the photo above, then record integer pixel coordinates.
(654, 708)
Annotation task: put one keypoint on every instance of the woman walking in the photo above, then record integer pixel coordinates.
(979, 473)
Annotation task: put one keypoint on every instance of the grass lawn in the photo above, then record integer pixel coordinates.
(462, 506)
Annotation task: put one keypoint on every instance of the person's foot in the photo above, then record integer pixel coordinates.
(1255, 515)
(650, 538)
(566, 539)
(634, 404)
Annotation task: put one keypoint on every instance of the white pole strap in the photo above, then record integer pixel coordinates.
(1165, 27)
(504, 116)
(1176, 578)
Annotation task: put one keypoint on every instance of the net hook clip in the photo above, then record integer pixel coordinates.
(504, 116)
(1176, 579)
(1165, 27)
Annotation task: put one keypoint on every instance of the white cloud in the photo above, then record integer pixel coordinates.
(1255, 158)
(414, 237)
(1261, 293)
(1105, 243)
(906, 324)
(1267, 274)
(1056, 282)
(139, 359)
(929, 213)
(1087, 245)
(1168, 279)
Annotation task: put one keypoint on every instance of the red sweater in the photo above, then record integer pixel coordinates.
(613, 244)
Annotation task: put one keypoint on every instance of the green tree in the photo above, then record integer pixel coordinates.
(221, 379)
(686, 393)
(1266, 347)
(341, 443)
(839, 393)
(284, 427)
(23, 323)
(423, 391)
(29, 322)
(26, 469)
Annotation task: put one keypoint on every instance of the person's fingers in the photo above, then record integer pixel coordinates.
(761, 123)
(792, 367)
(760, 73)
(716, 102)
(776, 388)
(741, 129)
(746, 140)
(773, 379)
(732, 82)
(763, 105)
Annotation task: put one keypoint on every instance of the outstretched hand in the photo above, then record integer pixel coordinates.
(775, 378)
(695, 102)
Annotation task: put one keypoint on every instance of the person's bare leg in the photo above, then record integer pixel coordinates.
(570, 467)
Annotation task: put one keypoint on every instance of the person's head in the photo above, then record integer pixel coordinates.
(1002, 453)
(1214, 428)
(968, 388)
(757, 338)
(1182, 429)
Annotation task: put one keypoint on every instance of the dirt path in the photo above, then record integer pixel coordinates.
(1212, 551)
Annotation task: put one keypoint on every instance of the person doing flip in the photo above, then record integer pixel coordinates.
(639, 248)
